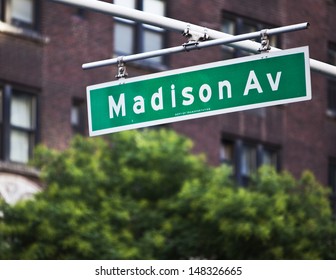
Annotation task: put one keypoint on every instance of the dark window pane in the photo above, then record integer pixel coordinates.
(226, 152)
(270, 157)
(153, 41)
(123, 38)
(77, 116)
(249, 160)
(22, 111)
(22, 126)
(19, 146)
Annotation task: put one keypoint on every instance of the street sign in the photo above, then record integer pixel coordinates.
(199, 91)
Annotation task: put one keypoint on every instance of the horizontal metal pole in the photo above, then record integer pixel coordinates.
(198, 45)
(132, 57)
(180, 26)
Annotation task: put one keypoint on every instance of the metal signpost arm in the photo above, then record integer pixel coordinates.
(196, 45)
(180, 26)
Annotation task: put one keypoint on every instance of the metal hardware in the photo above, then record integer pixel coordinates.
(265, 42)
(191, 45)
(122, 72)
(194, 46)
(194, 36)
(179, 26)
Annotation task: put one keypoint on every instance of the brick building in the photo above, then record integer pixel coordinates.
(42, 87)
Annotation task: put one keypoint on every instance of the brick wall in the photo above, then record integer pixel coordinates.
(307, 136)
(75, 38)
(21, 60)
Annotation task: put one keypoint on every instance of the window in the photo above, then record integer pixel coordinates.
(227, 152)
(246, 157)
(22, 124)
(235, 25)
(270, 157)
(1, 121)
(77, 115)
(331, 2)
(248, 160)
(18, 124)
(20, 13)
(131, 37)
(332, 182)
(331, 111)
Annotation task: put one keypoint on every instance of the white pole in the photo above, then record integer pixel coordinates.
(180, 26)
(194, 46)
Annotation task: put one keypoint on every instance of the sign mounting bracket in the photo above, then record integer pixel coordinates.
(194, 38)
(265, 42)
(192, 45)
(122, 72)
(179, 26)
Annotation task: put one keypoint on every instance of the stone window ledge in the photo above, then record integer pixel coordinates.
(23, 33)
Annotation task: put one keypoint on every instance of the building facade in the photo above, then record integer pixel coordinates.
(42, 86)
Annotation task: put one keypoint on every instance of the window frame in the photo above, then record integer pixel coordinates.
(139, 30)
(7, 127)
(332, 182)
(2, 118)
(239, 145)
(80, 104)
(6, 15)
(331, 82)
(239, 23)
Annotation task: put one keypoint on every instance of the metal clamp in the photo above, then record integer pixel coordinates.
(122, 72)
(191, 45)
(264, 43)
(194, 36)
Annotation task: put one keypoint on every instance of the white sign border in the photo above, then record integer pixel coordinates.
(304, 50)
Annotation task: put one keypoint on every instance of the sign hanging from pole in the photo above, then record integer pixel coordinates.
(205, 90)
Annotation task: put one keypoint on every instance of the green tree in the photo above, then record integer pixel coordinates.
(275, 217)
(145, 195)
(102, 199)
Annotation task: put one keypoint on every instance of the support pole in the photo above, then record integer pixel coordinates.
(196, 45)
(179, 26)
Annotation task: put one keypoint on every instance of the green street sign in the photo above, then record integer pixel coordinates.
(227, 86)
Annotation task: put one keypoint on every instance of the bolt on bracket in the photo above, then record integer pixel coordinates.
(265, 42)
(194, 37)
(122, 71)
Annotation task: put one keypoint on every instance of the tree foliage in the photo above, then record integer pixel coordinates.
(275, 217)
(145, 195)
